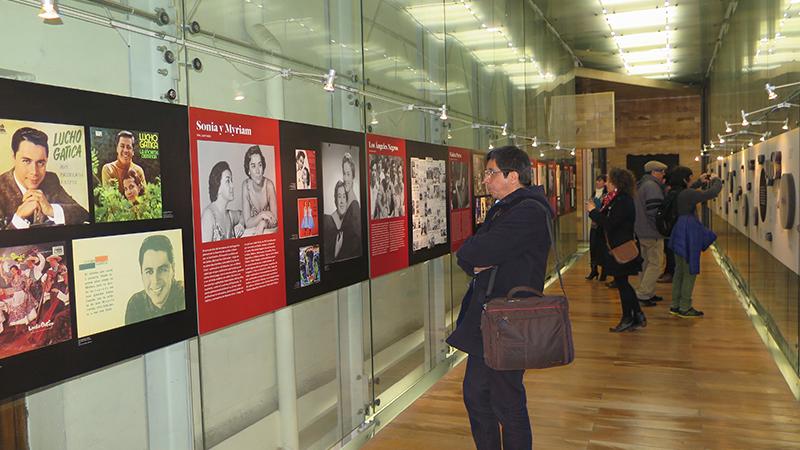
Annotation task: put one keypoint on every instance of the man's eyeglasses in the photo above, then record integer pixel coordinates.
(489, 172)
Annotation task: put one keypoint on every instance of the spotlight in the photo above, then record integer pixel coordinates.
(572, 152)
(721, 139)
(48, 10)
(374, 120)
(541, 154)
(728, 128)
(697, 158)
(536, 140)
(239, 97)
(558, 144)
(720, 158)
(712, 144)
(505, 129)
(328, 86)
(745, 123)
(750, 144)
(771, 92)
(763, 137)
(449, 136)
(443, 116)
(491, 146)
(785, 124)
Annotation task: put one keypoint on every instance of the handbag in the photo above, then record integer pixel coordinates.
(625, 252)
(532, 332)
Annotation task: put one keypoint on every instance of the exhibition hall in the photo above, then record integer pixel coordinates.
(345, 224)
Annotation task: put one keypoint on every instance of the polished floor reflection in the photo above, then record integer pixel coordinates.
(705, 383)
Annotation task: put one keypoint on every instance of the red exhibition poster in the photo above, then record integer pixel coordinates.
(459, 196)
(238, 217)
(388, 219)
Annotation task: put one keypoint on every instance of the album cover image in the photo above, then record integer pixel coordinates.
(306, 167)
(126, 279)
(309, 265)
(307, 217)
(478, 166)
(459, 184)
(126, 174)
(34, 298)
(48, 161)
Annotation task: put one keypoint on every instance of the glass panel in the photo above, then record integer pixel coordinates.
(400, 314)
(128, 62)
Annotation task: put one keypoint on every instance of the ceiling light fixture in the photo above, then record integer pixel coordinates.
(771, 89)
(728, 128)
(541, 154)
(505, 129)
(721, 139)
(443, 115)
(745, 123)
(48, 10)
(374, 120)
(491, 146)
(536, 140)
(328, 84)
(785, 124)
(558, 144)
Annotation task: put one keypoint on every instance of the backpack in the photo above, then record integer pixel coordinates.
(667, 213)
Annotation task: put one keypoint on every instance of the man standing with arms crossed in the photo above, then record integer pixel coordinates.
(514, 241)
(649, 196)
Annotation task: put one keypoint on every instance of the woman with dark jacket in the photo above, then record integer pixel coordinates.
(689, 237)
(596, 233)
(617, 217)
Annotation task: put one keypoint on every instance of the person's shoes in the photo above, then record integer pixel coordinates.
(675, 311)
(690, 313)
(602, 275)
(639, 321)
(593, 274)
(665, 278)
(624, 324)
(656, 298)
(612, 284)
(647, 302)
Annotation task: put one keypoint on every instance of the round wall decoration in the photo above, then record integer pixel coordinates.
(787, 201)
(762, 194)
(746, 210)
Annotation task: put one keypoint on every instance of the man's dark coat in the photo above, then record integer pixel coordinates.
(11, 198)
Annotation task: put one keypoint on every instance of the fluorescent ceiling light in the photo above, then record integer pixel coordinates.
(479, 37)
(649, 69)
(648, 18)
(656, 54)
(497, 55)
(433, 15)
(639, 40)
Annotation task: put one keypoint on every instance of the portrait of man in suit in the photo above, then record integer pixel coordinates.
(29, 194)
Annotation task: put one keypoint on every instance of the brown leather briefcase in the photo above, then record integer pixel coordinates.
(527, 332)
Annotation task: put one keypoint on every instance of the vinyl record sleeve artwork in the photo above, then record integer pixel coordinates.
(108, 167)
(745, 210)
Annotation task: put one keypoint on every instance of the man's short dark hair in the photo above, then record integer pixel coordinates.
(124, 134)
(512, 159)
(300, 154)
(254, 150)
(215, 179)
(158, 243)
(31, 135)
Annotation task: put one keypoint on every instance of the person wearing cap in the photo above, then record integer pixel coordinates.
(649, 196)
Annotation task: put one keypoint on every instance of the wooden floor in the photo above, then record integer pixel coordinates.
(705, 383)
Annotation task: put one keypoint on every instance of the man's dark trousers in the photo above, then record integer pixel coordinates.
(493, 398)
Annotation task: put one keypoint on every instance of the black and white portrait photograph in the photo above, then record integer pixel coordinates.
(237, 190)
(341, 223)
(459, 184)
(386, 187)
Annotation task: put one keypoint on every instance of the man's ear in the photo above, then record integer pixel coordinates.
(513, 176)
